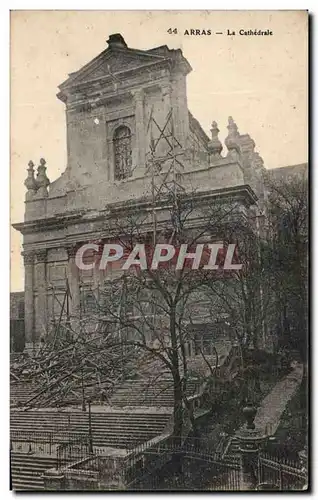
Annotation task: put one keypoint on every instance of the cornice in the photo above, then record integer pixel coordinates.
(242, 193)
(44, 224)
(123, 74)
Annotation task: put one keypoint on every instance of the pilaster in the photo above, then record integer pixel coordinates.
(29, 299)
(179, 107)
(41, 312)
(73, 280)
(140, 132)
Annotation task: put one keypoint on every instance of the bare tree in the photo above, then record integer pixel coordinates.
(244, 295)
(153, 313)
(288, 225)
(75, 365)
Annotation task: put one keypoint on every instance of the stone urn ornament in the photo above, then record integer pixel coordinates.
(30, 182)
(249, 412)
(42, 180)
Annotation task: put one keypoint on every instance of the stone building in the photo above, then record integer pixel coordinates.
(16, 321)
(117, 107)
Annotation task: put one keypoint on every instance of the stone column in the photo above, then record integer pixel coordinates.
(28, 300)
(41, 312)
(250, 442)
(97, 277)
(73, 281)
(140, 132)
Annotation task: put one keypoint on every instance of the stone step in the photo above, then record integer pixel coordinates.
(73, 429)
(28, 475)
(94, 416)
(142, 400)
(26, 487)
(97, 436)
(142, 392)
(84, 415)
(60, 426)
(17, 457)
(149, 404)
(26, 435)
(83, 429)
(23, 483)
(126, 443)
(72, 423)
(27, 471)
(27, 479)
(45, 430)
(31, 419)
(68, 425)
(16, 465)
(119, 430)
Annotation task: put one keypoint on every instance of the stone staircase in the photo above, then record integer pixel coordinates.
(113, 429)
(21, 392)
(27, 471)
(153, 386)
(143, 392)
(43, 430)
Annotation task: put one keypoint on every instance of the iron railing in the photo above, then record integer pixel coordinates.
(42, 441)
(147, 459)
(280, 472)
(76, 449)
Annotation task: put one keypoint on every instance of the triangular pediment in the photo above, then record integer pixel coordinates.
(110, 62)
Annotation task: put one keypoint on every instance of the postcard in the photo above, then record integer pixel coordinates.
(159, 275)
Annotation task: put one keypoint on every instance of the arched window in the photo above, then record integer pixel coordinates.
(122, 152)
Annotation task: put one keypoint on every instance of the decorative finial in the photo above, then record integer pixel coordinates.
(232, 127)
(116, 40)
(215, 146)
(232, 140)
(42, 180)
(30, 182)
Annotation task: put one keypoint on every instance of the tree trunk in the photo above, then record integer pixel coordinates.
(177, 384)
(177, 410)
(177, 423)
(178, 396)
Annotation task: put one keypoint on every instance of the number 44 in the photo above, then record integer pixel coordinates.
(172, 31)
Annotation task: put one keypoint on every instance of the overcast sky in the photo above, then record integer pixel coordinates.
(261, 81)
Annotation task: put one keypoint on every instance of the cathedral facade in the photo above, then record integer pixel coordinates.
(126, 115)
